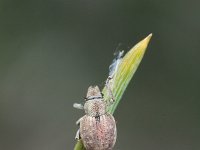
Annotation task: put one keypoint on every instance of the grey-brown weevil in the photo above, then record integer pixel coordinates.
(97, 127)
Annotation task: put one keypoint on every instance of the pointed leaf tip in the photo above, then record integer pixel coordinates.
(127, 69)
(148, 38)
(142, 45)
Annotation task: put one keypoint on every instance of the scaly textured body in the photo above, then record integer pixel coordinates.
(98, 134)
(97, 127)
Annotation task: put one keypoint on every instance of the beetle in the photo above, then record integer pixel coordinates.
(97, 127)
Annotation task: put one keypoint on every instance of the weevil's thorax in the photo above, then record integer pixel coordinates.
(94, 105)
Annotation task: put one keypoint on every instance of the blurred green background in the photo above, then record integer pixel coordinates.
(51, 51)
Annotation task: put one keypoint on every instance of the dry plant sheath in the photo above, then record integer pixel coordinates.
(97, 128)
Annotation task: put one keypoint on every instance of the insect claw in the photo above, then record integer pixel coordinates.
(78, 137)
(112, 99)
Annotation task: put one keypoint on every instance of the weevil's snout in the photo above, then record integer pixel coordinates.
(93, 93)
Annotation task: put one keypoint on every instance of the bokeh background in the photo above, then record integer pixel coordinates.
(52, 50)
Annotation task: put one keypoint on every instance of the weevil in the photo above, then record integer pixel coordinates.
(98, 127)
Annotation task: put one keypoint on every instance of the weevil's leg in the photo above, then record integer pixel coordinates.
(108, 86)
(78, 106)
(78, 121)
(78, 137)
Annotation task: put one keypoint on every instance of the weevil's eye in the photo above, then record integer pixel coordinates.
(93, 97)
(85, 98)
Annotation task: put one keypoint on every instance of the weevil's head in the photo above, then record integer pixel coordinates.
(94, 105)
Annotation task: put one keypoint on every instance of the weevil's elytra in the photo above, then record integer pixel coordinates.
(98, 135)
(97, 127)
